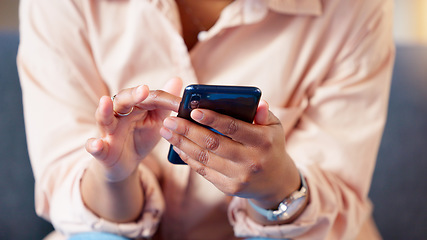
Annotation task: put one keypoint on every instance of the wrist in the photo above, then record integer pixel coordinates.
(117, 201)
(113, 174)
(285, 185)
(286, 211)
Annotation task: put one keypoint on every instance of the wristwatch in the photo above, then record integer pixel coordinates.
(288, 207)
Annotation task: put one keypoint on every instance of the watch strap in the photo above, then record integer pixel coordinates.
(274, 215)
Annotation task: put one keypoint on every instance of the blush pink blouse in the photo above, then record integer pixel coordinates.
(323, 66)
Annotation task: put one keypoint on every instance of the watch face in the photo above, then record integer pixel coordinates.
(294, 206)
(289, 207)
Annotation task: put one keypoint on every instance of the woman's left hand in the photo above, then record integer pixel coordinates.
(250, 161)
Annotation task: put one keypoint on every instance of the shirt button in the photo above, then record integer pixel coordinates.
(202, 35)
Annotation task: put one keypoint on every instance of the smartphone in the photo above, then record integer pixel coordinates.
(240, 102)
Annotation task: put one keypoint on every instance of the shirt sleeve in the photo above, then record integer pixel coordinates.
(336, 138)
(61, 88)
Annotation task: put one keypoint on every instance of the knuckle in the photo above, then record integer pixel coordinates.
(267, 142)
(255, 167)
(244, 179)
(212, 142)
(231, 127)
(185, 131)
(178, 142)
(155, 95)
(203, 157)
(201, 171)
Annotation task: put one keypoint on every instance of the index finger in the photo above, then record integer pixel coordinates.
(159, 99)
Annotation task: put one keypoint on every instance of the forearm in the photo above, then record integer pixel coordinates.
(114, 201)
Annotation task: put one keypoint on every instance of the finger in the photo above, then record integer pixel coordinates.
(161, 100)
(126, 99)
(237, 130)
(105, 117)
(224, 183)
(207, 147)
(203, 137)
(220, 180)
(165, 99)
(240, 131)
(97, 148)
(262, 114)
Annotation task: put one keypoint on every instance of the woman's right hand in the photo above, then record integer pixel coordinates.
(125, 140)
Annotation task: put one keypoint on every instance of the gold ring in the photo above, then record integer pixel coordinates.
(120, 114)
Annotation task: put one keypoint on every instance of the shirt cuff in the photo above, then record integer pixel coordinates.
(244, 226)
(71, 216)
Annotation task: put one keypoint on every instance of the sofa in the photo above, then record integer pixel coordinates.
(399, 187)
(17, 215)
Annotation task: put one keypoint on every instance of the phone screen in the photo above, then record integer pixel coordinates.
(240, 102)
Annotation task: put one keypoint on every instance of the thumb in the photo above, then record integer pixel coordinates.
(97, 148)
(263, 115)
(173, 86)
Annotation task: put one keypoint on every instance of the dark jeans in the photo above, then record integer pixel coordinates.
(109, 236)
(96, 236)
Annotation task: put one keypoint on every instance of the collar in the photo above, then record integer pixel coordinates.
(296, 7)
(251, 11)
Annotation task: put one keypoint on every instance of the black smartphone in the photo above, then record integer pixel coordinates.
(240, 102)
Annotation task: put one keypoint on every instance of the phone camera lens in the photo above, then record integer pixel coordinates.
(194, 104)
(194, 101)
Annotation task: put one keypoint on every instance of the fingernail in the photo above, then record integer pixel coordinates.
(169, 123)
(165, 133)
(140, 89)
(95, 143)
(197, 115)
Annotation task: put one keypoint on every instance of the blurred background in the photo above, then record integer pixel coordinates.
(399, 186)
